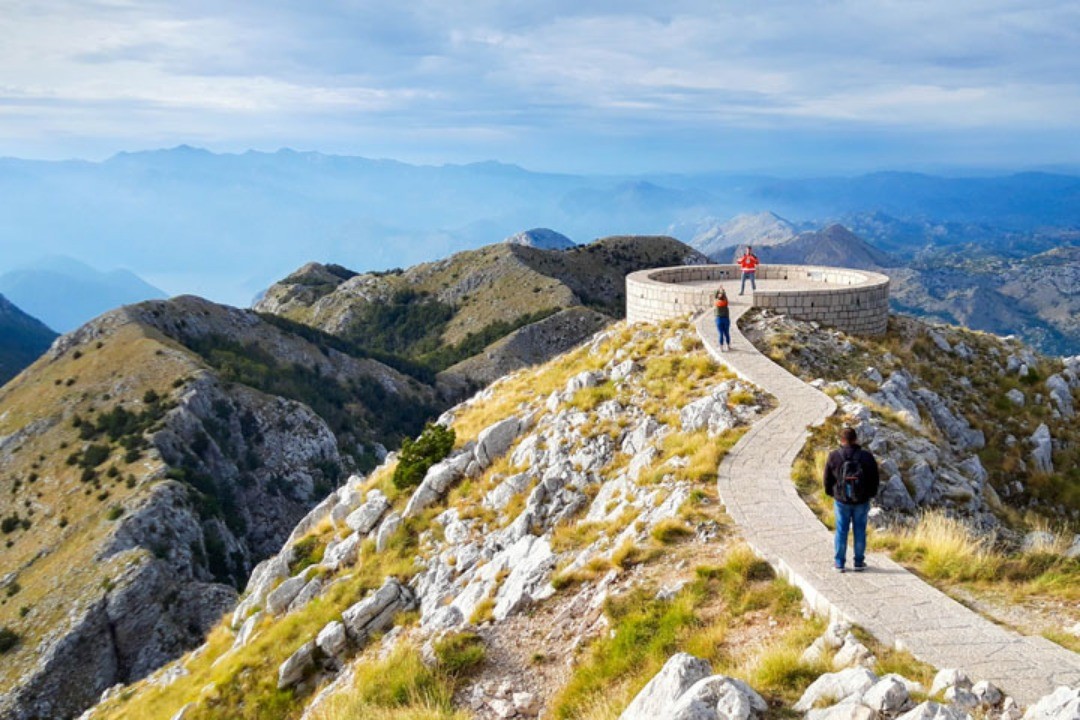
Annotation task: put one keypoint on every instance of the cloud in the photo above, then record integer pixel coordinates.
(496, 78)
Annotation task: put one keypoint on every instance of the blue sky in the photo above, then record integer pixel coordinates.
(804, 86)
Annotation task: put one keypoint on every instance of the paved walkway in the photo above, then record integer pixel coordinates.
(894, 605)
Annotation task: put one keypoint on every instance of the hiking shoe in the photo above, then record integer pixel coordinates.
(859, 567)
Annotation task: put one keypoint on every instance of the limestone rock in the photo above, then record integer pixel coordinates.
(987, 694)
(277, 602)
(247, 630)
(1016, 397)
(956, 428)
(376, 611)
(308, 593)
(526, 703)
(297, 666)
(342, 553)
(895, 394)
(390, 525)
(837, 686)
(888, 695)
(1060, 393)
(1042, 452)
(717, 697)
(438, 480)
(1062, 704)
(530, 562)
(660, 694)
(894, 495)
(332, 639)
(582, 380)
(949, 677)
(934, 711)
(496, 439)
(852, 653)
(364, 518)
(850, 709)
(710, 412)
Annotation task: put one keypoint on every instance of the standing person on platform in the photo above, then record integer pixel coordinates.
(723, 317)
(748, 262)
(851, 479)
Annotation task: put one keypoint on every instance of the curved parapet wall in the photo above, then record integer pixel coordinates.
(855, 301)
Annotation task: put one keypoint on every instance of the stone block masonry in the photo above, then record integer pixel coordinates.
(855, 301)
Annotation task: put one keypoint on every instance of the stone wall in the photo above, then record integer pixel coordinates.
(855, 301)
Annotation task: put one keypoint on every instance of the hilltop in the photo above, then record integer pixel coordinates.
(22, 339)
(149, 460)
(450, 312)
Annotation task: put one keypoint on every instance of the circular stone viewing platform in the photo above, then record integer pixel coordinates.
(854, 301)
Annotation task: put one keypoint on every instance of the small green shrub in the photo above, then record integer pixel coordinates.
(306, 552)
(417, 456)
(115, 512)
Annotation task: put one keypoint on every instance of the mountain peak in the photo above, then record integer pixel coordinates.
(543, 238)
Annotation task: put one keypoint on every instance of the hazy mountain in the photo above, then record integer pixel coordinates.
(833, 245)
(22, 339)
(542, 238)
(722, 241)
(66, 293)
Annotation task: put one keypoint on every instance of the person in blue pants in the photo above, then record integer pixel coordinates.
(851, 480)
(723, 318)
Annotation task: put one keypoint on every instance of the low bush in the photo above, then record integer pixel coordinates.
(417, 456)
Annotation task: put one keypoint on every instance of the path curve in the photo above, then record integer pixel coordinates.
(891, 603)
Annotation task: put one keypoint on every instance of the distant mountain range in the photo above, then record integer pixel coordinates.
(225, 226)
(66, 293)
(22, 339)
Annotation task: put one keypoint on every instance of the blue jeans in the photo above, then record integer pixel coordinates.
(748, 276)
(723, 326)
(855, 516)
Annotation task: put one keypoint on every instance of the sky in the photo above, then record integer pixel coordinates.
(598, 86)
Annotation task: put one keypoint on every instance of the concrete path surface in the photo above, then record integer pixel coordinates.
(894, 605)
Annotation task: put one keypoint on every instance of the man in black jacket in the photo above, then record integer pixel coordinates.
(851, 479)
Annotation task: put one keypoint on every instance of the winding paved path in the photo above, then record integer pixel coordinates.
(894, 605)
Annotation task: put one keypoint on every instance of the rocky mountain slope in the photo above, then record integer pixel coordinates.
(567, 543)
(967, 421)
(149, 460)
(22, 339)
(444, 313)
(1036, 297)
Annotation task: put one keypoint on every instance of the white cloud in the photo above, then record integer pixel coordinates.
(490, 72)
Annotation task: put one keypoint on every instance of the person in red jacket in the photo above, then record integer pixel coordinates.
(748, 262)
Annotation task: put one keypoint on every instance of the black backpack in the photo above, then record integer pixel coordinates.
(850, 482)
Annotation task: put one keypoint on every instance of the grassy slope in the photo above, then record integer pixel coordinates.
(68, 517)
